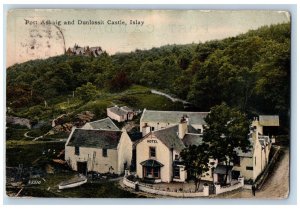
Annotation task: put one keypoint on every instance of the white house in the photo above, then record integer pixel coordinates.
(152, 120)
(120, 114)
(252, 163)
(158, 153)
(103, 151)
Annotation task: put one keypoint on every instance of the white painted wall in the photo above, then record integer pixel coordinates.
(115, 116)
(124, 151)
(163, 155)
(244, 162)
(162, 125)
(258, 161)
(209, 176)
(99, 163)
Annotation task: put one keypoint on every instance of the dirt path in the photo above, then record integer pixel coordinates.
(276, 186)
(173, 99)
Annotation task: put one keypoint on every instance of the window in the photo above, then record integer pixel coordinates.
(104, 152)
(152, 172)
(152, 151)
(77, 151)
(156, 172)
(176, 172)
(249, 168)
(176, 157)
(237, 161)
(152, 128)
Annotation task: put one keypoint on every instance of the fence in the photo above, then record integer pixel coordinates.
(239, 184)
(263, 176)
(148, 189)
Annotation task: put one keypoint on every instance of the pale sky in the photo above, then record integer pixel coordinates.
(161, 27)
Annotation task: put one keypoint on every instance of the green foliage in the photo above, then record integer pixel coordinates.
(87, 92)
(226, 131)
(250, 72)
(196, 161)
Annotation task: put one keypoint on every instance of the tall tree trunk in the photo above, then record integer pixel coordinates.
(226, 175)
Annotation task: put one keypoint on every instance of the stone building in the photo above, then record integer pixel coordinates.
(84, 51)
(152, 120)
(252, 163)
(99, 146)
(120, 114)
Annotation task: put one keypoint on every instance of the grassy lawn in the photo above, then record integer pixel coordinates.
(23, 152)
(88, 190)
(136, 96)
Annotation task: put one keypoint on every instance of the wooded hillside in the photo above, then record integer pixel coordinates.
(250, 71)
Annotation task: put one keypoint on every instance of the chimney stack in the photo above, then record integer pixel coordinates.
(182, 127)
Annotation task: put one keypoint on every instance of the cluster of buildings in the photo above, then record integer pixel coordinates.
(84, 51)
(102, 147)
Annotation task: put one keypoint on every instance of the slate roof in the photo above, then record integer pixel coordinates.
(264, 139)
(169, 136)
(117, 110)
(269, 120)
(192, 130)
(173, 117)
(244, 154)
(151, 163)
(105, 123)
(262, 143)
(95, 138)
(221, 169)
(125, 108)
(192, 139)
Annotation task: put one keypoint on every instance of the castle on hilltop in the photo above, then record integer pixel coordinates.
(85, 51)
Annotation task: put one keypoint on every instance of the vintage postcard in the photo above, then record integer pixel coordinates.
(148, 103)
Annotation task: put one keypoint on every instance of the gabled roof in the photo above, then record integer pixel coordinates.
(95, 138)
(192, 130)
(221, 169)
(173, 117)
(240, 152)
(125, 108)
(117, 111)
(106, 124)
(269, 120)
(192, 139)
(169, 136)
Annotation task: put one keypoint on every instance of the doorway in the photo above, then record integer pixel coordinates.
(82, 167)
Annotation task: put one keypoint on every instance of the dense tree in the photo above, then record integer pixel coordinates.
(226, 131)
(196, 162)
(87, 92)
